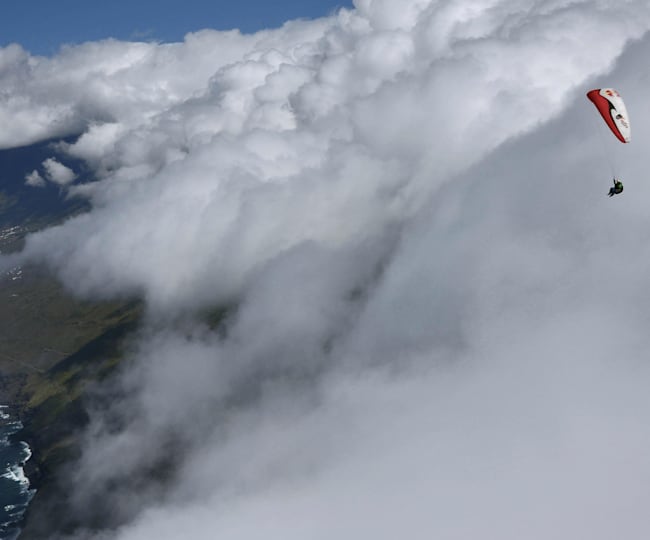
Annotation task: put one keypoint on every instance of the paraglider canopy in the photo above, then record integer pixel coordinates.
(611, 107)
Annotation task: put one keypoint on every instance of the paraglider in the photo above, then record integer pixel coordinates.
(611, 107)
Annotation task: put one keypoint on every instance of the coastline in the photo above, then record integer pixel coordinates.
(18, 490)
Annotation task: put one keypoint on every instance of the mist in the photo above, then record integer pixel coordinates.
(437, 322)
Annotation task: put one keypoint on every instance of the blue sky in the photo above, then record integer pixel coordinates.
(42, 26)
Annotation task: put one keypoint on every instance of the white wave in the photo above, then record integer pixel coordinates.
(11, 428)
(26, 451)
(15, 511)
(8, 429)
(16, 474)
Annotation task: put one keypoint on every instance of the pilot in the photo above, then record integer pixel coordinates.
(616, 189)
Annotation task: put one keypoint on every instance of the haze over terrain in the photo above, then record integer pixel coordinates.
(437, 322)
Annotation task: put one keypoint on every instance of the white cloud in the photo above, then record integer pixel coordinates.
(34, 179)
(57, 172)
(440, 321)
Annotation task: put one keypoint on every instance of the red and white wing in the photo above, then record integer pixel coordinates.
(611, 107)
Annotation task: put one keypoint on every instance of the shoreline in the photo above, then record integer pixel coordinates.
(15, 472)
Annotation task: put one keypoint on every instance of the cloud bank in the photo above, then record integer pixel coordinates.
(440, 323)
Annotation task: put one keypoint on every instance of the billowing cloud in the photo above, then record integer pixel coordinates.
(34, 179)
(438, 321)
(57, 172)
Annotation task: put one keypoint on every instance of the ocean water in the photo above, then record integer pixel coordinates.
(14, 486)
